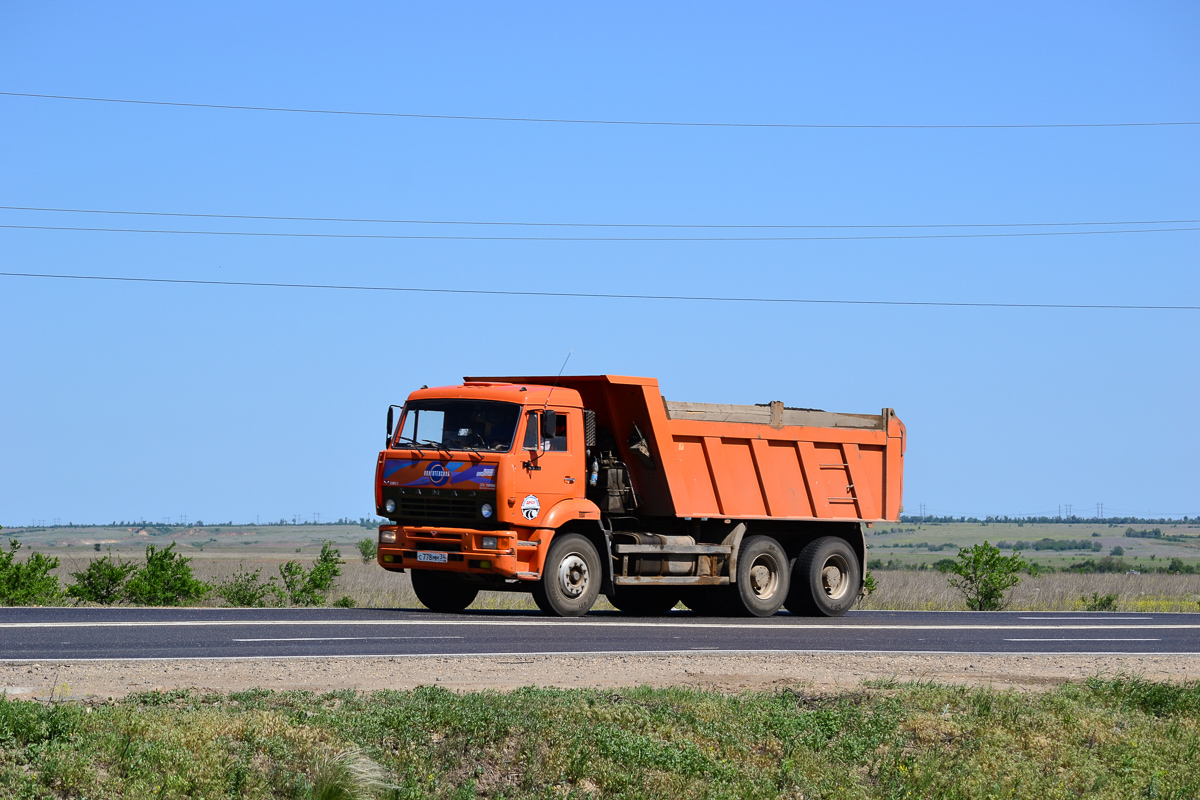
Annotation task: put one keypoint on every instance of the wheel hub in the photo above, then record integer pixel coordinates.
(834, 577)
(764, 577)
(573, 575)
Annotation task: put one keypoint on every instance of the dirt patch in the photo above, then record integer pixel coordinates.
(723, 672)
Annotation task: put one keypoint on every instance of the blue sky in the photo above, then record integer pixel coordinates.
(134, 401)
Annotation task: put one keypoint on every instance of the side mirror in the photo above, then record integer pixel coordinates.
(549, 423)
(389, 425)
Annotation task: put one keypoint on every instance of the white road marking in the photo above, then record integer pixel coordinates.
(343, 638)
(1091, 619)
(1082, 640)
(594, 623)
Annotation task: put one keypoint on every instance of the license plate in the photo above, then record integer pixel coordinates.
(436, 558)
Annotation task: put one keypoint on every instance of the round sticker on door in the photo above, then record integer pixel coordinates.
(530, 507)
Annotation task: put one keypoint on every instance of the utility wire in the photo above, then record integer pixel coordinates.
(604, 295)
(453, 237)
(527, 224)
(571, 121)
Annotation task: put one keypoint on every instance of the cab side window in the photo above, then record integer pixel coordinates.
(557, 444)
(531, 431)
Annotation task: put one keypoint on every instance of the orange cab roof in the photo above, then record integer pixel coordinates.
(523, 393)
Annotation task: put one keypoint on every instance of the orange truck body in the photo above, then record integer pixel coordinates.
(676, 469)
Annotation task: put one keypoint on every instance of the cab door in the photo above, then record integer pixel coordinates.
(550, 467)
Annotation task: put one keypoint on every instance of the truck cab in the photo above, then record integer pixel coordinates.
(474, 481)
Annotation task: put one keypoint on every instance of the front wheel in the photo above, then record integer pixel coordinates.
(439, 591)
(826, 579)
(570, 577)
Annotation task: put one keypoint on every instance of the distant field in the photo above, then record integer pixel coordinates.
(217, 551)
(912, 545)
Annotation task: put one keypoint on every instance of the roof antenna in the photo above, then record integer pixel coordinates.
(560, 372)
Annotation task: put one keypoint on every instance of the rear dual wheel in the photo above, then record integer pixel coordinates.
(826, 579)
(763, 577)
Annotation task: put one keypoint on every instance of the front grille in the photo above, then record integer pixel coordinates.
(436, 508)
(433, 508)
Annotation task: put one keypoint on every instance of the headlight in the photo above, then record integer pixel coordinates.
(389, 506)
(387, 537)
(489, 543)
(486, 509)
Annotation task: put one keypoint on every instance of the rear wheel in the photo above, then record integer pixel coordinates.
(570, 577)
(826, 579)
(763, 577)
(441, 591)
(644, 601)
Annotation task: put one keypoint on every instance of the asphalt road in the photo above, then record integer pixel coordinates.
(103, 633)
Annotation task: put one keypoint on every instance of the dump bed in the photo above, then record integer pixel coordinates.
(733, 461)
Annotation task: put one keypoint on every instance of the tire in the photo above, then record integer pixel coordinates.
(442, 592)
(763, 577)
(571, 577)
(644, 601)
(708, 601)
(826, 579)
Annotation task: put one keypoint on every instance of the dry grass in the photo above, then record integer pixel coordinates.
(368, 584)
(928, 590)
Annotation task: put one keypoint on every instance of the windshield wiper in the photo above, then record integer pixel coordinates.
(416, 444)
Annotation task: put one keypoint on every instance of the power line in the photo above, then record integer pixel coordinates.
(581, 121)
(457, 237)
(502, 223)
(603, 295)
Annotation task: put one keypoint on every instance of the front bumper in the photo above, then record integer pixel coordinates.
(463, 550)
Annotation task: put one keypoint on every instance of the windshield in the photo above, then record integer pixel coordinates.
(459, 425)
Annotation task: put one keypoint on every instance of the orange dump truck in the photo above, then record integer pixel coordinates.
(574, 486)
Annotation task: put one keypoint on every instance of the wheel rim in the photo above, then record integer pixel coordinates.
(835, 577)
(764, 576)
(573, 575)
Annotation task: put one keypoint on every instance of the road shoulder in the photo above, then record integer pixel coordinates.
(824, 671)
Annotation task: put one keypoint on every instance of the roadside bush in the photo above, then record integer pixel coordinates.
(1106, 564)
(1100, 602)
(345, 601)
(102, 582)
(367, 548)
(164, 580)
(309, 587)
(869, 586)
(984, 576)
(28, 582)
(246, 589)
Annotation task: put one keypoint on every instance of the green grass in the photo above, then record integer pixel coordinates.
(1104, 738)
